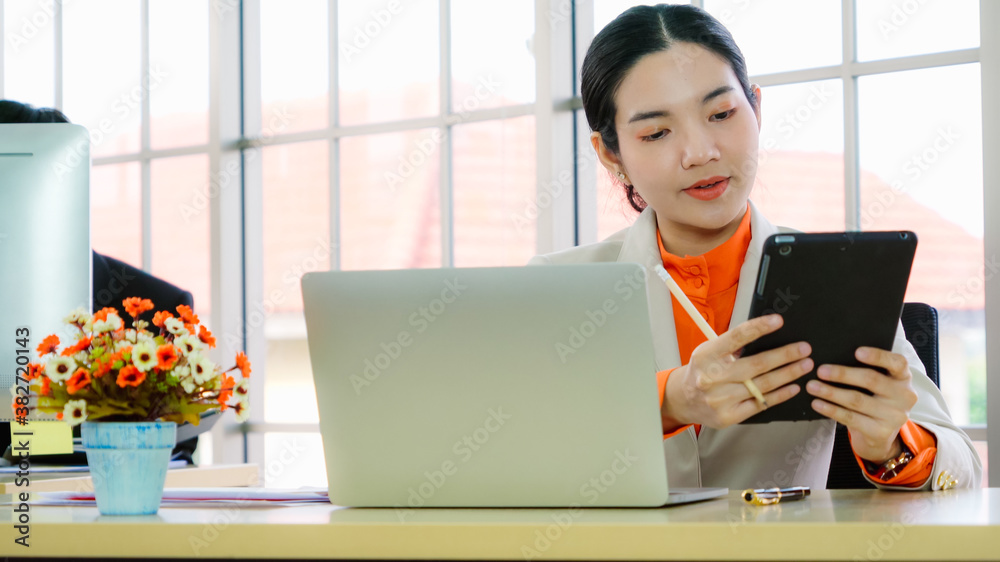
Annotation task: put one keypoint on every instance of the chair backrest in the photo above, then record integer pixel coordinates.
(920, 324)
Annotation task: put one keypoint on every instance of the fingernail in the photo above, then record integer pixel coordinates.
(814, 387)
(774, 320)
(803, 348)
(823, 371)
(863, 353)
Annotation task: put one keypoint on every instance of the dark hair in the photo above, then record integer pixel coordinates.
(635, 33)
(17, 112)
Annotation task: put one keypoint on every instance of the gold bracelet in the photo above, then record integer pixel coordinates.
(890, 468)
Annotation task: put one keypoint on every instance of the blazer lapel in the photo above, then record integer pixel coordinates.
(640, 247)
(760, 229)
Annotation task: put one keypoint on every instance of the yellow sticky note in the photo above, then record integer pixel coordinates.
(41, 438)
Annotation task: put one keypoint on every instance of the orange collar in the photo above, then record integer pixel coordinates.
(713, 272)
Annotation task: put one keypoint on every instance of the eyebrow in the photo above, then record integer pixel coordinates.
(663, 113)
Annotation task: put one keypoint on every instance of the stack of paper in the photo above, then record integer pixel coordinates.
(220, 475)
(189, 497)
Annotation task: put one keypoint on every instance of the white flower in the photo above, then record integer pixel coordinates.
(187, 383)
(175, 326)
(60, 369)
(75, 412)
(144, 356)
(189, 344)
(78, 316)
(202, 369)
(112, 323)
(242, 409)
(81, 357)
(182, 372)
(133, 337)
(122, 344)
(242, 390)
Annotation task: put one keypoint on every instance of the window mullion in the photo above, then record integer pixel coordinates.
(3, 41)
(57, 33)
(989, 52)
(227, 227)
(852, 167)
(445, 151)
(554, 165)
(254, 339)
(333, 112)
(586, 158)
(146, 189)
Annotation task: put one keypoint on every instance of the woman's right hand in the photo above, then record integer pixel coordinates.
(709, 390)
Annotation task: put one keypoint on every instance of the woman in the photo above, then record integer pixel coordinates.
(676, 121)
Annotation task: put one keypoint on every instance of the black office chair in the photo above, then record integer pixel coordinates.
(920, 324)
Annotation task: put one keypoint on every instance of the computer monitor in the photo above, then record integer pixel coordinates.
(45, 256)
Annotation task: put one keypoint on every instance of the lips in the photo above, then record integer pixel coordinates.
(709, 188)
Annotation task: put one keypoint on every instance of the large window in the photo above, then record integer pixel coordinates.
(269, 139)
(408, 141)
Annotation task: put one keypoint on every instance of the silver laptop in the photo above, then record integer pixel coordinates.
(488, 387)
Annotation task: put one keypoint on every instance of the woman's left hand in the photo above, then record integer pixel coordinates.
(873, 421)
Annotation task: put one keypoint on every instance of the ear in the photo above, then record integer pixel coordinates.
(756, 109)
(608, 158)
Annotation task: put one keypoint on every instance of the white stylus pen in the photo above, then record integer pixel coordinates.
(678, 294)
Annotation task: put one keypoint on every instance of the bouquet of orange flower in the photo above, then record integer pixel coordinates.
(115, 373)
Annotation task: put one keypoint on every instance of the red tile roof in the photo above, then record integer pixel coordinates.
(388, 224)
(805, 190)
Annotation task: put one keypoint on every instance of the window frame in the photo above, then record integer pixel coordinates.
(563, 30)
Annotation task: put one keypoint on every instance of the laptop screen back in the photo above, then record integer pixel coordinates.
(521, 386)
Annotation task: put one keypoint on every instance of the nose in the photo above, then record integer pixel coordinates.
(700, 148)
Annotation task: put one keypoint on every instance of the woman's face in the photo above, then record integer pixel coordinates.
(687, 139)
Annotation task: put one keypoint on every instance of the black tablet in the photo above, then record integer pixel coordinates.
(838, 291)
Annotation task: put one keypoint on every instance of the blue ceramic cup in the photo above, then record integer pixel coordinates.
(128, 464)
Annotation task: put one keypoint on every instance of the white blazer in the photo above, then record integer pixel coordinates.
(778, 453)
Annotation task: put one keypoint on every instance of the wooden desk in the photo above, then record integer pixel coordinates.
(830, 525)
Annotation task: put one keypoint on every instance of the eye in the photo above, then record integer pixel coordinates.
(656, 136)
(723, 115)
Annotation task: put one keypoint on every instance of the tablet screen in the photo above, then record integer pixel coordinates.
(837, 291)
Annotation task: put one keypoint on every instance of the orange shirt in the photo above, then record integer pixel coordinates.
(710, 281)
